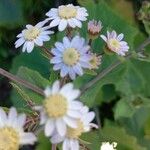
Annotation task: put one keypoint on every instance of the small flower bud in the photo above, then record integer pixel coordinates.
(94, 28)
(95, 61)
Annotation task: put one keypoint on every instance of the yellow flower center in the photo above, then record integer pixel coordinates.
(56, 106)
(95, 61)
(71, 56)
(32, 33)
(114, 44)
(9, 139)
(75, 133)
(67, 12)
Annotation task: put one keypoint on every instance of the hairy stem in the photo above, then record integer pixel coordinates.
(47, 51)
(21, 81)
(112, 67)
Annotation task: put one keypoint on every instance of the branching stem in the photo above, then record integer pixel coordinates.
(112, 67)
(21, 81)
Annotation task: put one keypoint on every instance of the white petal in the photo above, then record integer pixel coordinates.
(75, 105)
(104, 38)
(24, 47)
(3, 117)
(41, 24)
(64, 71)
(30, 46)
(66, 42)
(47, 91)
(77, 23)
(62, 25)
(70, 122)
(55, 22)
(43, 118)
(20, 35)
(19, 42)
(56, 60)
(67, 87)
(71, 23)
(21, 120)
(49, 128)
(27, 138)
(89, 117)
(28, 26)
(120, 37)
(74, 144)
(74, 114)
(59, 46)
(77, 68)
(61, 127)
(66, 145)
(74, 94)
(38, 42)
(44, 37)
(57, 66)
(55, 87)
(12, 115)
(56, 139)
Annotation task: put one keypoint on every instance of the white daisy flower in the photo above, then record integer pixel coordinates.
(71, 57)
(12, 135)
(67, 15)
(33, 35)
(108, 146)
(115, 43)
(71, 139)
(60, 109)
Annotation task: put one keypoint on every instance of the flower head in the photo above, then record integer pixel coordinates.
(71, 57)
(60, 109)
(71, 139)
(33, 35)
(94, 28)
(115, 43)
(95, 61)
(12, 134)
(67, 15)
(108, 146)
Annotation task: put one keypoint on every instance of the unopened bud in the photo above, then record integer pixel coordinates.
(94, 28)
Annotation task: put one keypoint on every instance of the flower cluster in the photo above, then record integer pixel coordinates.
(63, 116)
(74, 54)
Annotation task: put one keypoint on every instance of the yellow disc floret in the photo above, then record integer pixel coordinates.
(114, 44)
(71, 56)
(32, 33)
(67, 12)
(75, 133)
(56, 106)
(9, 139)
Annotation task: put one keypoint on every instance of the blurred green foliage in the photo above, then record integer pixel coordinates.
(125, 92)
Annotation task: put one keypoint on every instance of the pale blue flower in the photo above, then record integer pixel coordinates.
(71, 57)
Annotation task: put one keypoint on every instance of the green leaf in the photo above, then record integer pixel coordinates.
(43, 142)
(122, 108)
(36, 79)
(33, 61)
(120, 135)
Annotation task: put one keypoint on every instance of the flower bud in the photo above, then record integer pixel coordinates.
(95, 61)
(94, 28)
